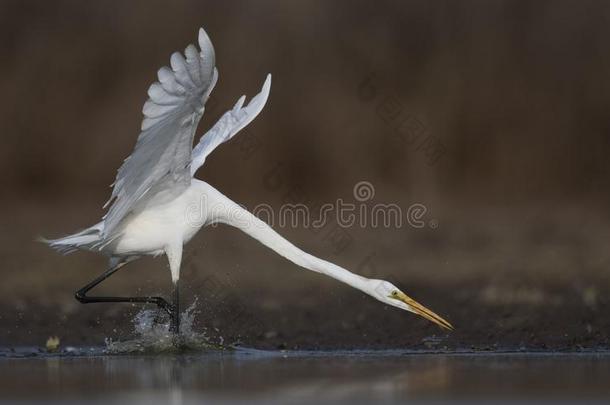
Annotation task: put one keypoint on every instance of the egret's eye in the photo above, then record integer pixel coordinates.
(394, 293)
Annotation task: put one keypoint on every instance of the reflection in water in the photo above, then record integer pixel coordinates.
(301, 377)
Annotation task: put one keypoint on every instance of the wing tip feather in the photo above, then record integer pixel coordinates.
(203, 39)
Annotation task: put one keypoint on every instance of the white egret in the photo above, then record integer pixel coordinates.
(155, 193)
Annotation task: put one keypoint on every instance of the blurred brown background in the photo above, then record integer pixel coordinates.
(492, 114)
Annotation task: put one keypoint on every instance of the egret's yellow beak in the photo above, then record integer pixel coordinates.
(420, 310)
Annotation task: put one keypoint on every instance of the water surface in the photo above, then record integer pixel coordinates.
(300, 377)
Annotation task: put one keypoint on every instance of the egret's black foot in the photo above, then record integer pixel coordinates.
(83, 298)
(174, 326)
(172, 309)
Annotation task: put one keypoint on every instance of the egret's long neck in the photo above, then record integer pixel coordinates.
(222, 209)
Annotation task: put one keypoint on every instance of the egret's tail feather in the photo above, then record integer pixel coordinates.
(83, 240)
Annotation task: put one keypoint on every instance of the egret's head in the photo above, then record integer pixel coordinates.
(390, 294)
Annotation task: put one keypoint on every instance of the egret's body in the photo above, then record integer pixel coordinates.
(157, 205)
(157, 226)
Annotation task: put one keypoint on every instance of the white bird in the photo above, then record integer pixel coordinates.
(157, 205)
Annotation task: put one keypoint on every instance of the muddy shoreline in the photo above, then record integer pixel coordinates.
(345, 320)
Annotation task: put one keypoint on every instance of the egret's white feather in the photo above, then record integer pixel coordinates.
(229, 124)
(83, 240)
(161, 158)
(169, 83)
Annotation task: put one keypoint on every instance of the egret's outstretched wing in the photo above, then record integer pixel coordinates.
(161, 158)
(229, 124)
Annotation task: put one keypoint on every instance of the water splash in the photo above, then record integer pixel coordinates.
(152, 328)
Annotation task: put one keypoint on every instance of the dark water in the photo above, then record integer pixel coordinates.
(301, 377)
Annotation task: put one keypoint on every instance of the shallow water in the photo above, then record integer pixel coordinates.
(83, 375)
(154, 366)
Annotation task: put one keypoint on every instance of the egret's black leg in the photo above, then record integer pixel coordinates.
(175, 312)
(81, 295)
